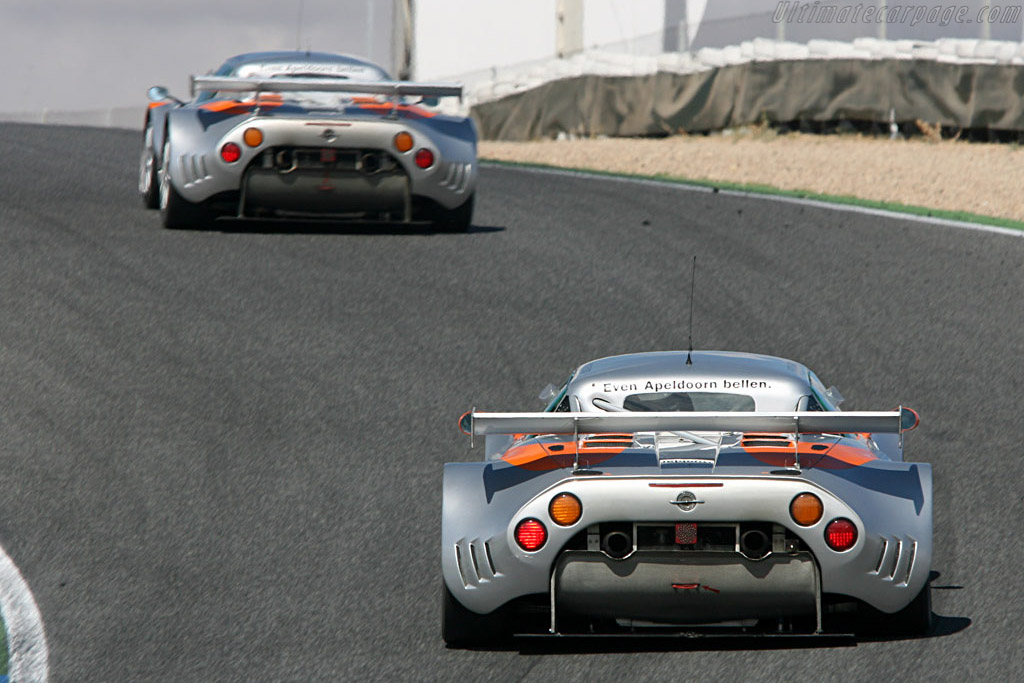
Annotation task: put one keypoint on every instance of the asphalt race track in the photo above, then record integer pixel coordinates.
(221, 451)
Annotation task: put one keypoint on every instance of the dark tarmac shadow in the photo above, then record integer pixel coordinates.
(320, 227)
(682, 642)
(706, 642)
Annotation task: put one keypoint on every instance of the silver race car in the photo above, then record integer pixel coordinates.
(681, 492)
(308, 135)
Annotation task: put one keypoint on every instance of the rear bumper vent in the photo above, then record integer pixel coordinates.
(193, 169)
(475, 562)
(896, 560)
(457, 176)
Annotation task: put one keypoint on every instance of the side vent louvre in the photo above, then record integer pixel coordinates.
(474, 562)
(881, 556)
(490, 560)
(184, 166)
(448, 174)
(896, 560)
(456, 177)
(899, 556)
(458, 563)
(912, 555)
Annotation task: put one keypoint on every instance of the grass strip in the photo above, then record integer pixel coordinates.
(895, 207)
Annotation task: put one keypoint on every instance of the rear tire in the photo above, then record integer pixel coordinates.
(175, 211)
(916, 618)
(459, 219)
(461, 627)
(149, 180)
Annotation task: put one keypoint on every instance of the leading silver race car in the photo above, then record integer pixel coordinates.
(674, 491)
(308, 135)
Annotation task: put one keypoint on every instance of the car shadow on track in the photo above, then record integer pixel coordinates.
(941, 625)
(320, 227)
(562, 645)
(689, 642)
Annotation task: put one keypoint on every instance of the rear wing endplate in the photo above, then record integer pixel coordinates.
(389, 88)
(483, 424)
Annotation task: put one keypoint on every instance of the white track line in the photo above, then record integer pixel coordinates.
(834, 206)
(26, 641)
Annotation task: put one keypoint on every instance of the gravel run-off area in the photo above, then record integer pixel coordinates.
(978, 178)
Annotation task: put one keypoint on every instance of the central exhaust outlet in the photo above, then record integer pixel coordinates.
(369, 163)
(617, 545)
(755, 544)
(286, 161)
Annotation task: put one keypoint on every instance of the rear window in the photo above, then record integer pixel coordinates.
(689, 401)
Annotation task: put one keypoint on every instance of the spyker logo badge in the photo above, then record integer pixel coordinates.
(328, 135)
(686, 501)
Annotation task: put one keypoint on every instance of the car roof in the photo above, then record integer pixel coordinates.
(775, 383)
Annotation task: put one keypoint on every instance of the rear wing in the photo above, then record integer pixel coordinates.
(389, 88)
(483, 424)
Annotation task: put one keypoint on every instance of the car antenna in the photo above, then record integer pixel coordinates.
(693, 278)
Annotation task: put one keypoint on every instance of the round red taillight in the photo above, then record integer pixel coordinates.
(230, 152)
(840, 534)
(531, 534)
(424, 158)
